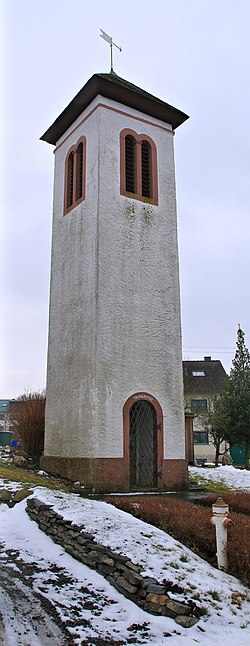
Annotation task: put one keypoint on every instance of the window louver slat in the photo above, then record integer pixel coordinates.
(146, 169)
(79, 169)
(75, 170)
(70, 180)
(130, 164)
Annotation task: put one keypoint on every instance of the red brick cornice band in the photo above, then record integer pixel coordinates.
(126, 114)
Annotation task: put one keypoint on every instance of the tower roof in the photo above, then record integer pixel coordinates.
(113, 87)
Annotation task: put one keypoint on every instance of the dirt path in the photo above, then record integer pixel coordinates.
(26, 619)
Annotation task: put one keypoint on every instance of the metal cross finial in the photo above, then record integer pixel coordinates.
(109, 40)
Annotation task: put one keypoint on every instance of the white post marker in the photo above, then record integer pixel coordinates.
(109, 40)
(221, 521)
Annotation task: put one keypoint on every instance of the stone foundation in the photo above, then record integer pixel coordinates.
(112, 474)
(124, 575)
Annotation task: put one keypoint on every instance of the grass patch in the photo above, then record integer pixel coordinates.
(214, 594)
(197, 481)
(10, 473)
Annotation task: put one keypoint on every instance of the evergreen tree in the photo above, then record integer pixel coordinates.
(235, 399)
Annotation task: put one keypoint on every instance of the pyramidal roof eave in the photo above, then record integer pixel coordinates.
(113, 87)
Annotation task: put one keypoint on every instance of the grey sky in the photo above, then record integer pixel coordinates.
(194, 54)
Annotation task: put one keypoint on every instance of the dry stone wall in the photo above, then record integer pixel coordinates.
(124, 575)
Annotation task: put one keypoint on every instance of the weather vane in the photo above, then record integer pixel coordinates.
(110, 41)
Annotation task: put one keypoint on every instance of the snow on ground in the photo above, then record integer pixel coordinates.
(12, 486)
(91, 608)
(5, 453)
(234, 478)
(80, 595)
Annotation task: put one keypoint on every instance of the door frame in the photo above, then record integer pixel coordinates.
(142, 396)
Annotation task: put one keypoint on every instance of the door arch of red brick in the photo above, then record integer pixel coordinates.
(142, 396)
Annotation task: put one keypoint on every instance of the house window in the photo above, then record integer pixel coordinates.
(198, 373)
(198, 404)
(200, 437)
(75, 174)
(138, 167)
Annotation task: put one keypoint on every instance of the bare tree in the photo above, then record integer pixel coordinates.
(212, 420)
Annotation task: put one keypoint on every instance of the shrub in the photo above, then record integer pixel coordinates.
(239, 547)
(27, 414)
(238, 502)
(190, 524)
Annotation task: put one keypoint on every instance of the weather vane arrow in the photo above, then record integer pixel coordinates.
(109, 40)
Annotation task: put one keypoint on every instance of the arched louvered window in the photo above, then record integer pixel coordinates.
(70, 172)
(130, 153)
(138, 167)
(79, 170)
(75, 172)
(146, 170)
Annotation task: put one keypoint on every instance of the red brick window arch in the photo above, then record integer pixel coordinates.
(75, 175)
(138, 167)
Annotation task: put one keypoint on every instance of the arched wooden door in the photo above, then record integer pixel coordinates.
(143, 440)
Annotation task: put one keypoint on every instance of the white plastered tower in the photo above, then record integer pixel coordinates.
(114, 410)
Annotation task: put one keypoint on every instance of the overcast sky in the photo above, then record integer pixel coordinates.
(193, 54)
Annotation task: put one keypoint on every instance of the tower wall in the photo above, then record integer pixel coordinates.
(114, 306)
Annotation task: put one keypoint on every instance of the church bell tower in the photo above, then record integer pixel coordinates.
(114, 408)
